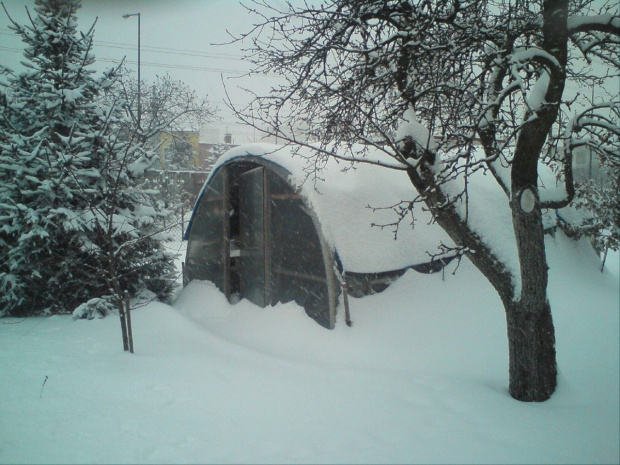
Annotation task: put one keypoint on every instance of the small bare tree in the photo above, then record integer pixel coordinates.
(167, 105)
(170, 107)
(119, 226)
(429, 81)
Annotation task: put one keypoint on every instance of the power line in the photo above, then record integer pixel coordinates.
(173, 66)
(117, 61)
(185, 52)
(171, 51)
(163, 50)
(157, 49)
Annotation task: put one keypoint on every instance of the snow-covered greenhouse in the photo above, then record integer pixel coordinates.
(268, 228)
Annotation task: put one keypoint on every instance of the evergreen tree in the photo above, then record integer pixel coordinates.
(180, 155)
(74, 220)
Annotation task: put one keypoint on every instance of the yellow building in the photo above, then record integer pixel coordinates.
(167, 139)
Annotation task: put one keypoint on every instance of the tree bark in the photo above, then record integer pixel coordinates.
(121, 314)
(531, 348)
(531, 335)
(128, 321)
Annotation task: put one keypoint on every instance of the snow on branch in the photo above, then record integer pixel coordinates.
(607, 23)
(596, 35)
(526, 55)
(602, 129)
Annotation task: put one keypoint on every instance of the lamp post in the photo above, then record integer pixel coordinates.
(139, 95)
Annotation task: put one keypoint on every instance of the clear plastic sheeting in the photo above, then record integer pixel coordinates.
(207, 241)
(297, 265)
(254, 237)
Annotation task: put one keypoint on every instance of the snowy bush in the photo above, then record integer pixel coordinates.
(94, 308)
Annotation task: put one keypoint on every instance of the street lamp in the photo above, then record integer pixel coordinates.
(139, 95)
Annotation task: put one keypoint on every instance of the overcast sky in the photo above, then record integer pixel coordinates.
(177, 37)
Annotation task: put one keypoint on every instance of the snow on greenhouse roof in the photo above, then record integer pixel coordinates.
(348, 200)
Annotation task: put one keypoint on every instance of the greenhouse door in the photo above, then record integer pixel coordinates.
(208, 246)
(253, 229)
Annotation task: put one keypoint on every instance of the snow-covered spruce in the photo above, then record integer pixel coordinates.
(75, 221)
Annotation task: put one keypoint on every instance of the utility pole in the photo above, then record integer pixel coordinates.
(129, 15)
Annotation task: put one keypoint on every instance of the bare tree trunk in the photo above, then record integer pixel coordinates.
(531, 344)
(531, 335)
(128, 317)
(121, 314)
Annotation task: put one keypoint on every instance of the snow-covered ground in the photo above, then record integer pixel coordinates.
(420, 377)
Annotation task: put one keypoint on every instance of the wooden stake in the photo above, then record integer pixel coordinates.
(121, 314)
(345, 295)
(129, 330)
(604, 259)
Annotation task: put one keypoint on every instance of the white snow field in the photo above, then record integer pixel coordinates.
(421, 377)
